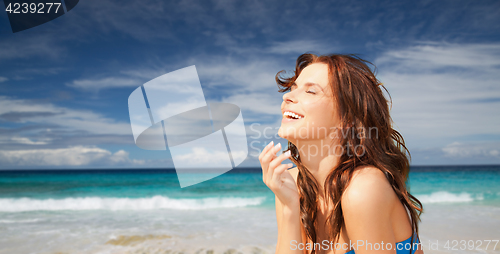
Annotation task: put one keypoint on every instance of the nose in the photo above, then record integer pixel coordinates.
(289, 97)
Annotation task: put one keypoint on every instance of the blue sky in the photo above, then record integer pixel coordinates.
(64, 85)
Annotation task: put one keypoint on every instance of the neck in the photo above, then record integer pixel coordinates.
(319, 157)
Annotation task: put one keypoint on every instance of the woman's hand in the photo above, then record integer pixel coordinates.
(276, 176)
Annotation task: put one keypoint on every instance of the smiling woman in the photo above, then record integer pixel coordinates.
(348, 192)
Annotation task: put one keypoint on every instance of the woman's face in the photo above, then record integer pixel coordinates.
(311, 99)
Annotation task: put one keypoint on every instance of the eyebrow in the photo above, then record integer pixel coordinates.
(310, 84)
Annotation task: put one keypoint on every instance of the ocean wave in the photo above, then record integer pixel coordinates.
(448, 197)
(19, 221)
(115, 204)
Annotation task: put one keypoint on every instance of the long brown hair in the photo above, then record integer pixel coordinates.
(362, 106)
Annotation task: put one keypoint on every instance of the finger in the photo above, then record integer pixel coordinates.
(266, 159)
(276, 178)
(264, 151)
(274, 163)
(277, 162)
(280, 170)
(265, 166)
(270, 156)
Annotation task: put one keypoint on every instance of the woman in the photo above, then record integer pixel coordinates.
(348, 192)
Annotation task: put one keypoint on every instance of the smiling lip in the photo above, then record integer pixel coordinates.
(290, 119)
(287, 110)
(286, 120)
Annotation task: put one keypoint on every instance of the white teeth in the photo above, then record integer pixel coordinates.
(287, 113)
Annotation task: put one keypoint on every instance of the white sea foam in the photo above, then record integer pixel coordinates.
(448, 197)
(19, 221)
(114, 204)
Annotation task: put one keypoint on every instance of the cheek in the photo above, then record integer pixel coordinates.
(322, 111)
(322, 120)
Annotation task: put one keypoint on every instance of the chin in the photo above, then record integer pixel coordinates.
(288, 136)
(282, 134)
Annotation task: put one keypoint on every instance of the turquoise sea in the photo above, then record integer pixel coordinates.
(145, 211)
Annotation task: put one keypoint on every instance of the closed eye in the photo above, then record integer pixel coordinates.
(310, 92)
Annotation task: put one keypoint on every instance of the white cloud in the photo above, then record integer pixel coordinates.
(431, 56)
(27, 141)
(26, 111)
(260, 103)
(3, 79)
(473, 150)
(442, 91)
(292, 48)
(104, 83)
(201, 156)
(71, 156)
(26, 46)
(123, 17)
(248, 83)
(250, 75)
(298, 47)
(215, 71)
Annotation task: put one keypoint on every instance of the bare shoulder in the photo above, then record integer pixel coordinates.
(368, 203)
(368, 187)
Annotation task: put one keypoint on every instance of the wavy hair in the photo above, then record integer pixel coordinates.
(362, 106)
